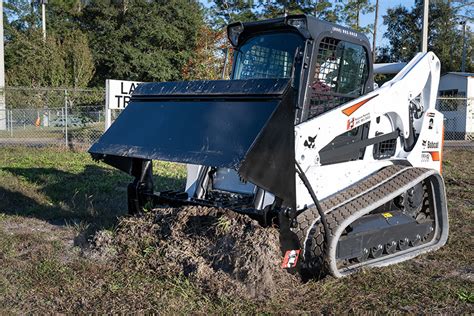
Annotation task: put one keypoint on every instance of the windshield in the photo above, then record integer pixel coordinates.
(267, 56)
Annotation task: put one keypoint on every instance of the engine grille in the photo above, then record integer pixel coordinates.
(385, 149)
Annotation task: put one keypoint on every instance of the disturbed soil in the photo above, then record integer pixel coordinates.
(220, 251)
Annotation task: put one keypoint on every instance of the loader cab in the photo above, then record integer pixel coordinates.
(330, 64)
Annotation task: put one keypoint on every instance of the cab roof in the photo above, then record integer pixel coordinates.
(308, 26)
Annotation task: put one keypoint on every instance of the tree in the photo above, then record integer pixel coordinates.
(444, 36)
(57, 62)
(21, 15)
(351, 12)
(208, 57)
(322, 9)
(62, 16)
(223, 12)
(64, 60)
(34, 63)
(78, 59)
(141, 39)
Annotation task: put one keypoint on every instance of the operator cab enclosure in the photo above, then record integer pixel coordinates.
(327, 65)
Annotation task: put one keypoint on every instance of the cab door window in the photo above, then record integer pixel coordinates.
(339, 75)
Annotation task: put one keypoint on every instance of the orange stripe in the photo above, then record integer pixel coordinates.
(435, 156)
(441, 152)
(348, 111)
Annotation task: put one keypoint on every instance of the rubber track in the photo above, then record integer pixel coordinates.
(308, 217)
(345, 204)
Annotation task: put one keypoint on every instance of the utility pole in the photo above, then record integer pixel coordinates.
(226, 56)
(375, 30)
(43, 17)
(3, 110)
(463, 60)
(424, 34)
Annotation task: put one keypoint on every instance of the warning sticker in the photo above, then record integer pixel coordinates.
(291, 259)
(387, 215)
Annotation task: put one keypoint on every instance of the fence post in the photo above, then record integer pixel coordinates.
(108, 111)
(11, 123)
(65, 118)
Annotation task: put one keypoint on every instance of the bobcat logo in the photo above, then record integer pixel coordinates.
(310, 141)
(350, 123)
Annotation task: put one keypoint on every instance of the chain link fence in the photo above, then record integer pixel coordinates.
(72, 118)
(75, 118)
(458, 121)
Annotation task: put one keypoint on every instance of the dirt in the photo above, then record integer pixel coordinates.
(220, 251)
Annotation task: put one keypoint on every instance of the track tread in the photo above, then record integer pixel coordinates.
(342, 205)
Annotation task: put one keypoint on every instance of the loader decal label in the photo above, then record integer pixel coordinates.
(310, 142)
(291, 259)
(427, 144)
(430, 124)
(426, 155)
(356, 121)
(350, 123)
(348, 111)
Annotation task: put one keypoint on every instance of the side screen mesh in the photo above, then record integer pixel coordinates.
(339, 75)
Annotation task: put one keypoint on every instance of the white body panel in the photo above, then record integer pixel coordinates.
(391, 102)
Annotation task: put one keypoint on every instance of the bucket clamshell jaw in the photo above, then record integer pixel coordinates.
(246, 125)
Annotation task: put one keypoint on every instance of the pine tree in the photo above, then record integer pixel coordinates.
(351, 11)
(322, 9)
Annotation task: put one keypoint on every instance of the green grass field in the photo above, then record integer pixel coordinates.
(53, 201)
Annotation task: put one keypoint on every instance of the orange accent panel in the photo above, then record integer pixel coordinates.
(435, 155)
(348, 111)
(441, 152)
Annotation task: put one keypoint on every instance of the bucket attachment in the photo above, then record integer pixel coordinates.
(247, 125)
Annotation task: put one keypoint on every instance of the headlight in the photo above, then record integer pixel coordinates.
(299, 23)
(233, 33)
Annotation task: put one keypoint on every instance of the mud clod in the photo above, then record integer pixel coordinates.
(220, 251)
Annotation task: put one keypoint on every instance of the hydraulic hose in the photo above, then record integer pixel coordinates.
(306, 183)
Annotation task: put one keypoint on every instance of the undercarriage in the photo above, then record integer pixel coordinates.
(373, 223)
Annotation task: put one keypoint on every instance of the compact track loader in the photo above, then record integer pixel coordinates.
(299, 139)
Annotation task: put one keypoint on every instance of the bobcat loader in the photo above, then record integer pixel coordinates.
(299, 139)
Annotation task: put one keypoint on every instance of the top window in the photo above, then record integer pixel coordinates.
(267, 56)
(339, 75)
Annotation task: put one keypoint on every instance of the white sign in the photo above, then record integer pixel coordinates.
(118, 93)
(117, 96)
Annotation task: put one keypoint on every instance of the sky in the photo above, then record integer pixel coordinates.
(384, 5)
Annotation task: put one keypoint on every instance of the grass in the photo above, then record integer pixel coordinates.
(65, 187)
(51, 201)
